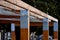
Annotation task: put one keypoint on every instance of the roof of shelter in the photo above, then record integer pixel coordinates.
(17, 5)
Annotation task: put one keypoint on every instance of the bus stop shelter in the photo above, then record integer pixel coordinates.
(19, 13)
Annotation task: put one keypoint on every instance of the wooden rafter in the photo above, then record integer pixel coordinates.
(7, 16)
(17, 4)
(4, 12)
(26, 6)
(31, 23)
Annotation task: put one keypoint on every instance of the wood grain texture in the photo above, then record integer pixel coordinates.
(19, 3)
(13, 35)
(55, 35)
(23, 34)
(34, 24)
(45, 35)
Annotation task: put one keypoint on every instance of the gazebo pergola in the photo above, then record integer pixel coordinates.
(19, 13)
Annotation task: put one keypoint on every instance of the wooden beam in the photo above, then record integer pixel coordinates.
(5, 4)
(9, 9)
(23, 34)
(16, 18)
(45, 35)
(45, 29)
(39, 24)
(13, 35)
(26, 6)
(31, 13)
(7, 16)
(31, 23)
(24, 24)
(9, 21)
(3, 7)
(38, 16)
(3, 12)
(9, 5)
(55, 30)
(6, 12)
(12, 19)
(35, 15)
(55, 35)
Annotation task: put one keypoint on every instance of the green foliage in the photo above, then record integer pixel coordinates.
(48, 6)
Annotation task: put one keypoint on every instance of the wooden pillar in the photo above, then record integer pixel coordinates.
(13, 36)
(56, 30)
(24, 25)
(45, 29)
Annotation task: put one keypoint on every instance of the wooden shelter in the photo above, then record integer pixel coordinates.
(19, 13)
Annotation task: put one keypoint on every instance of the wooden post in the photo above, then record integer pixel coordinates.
(13, 36)
(24, 25)
(56, 30)
(45, 29)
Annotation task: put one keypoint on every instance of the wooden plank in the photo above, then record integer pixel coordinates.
(9, 9)
(55, 35)
(35, 15)
(45, 29)
(45, 35)
(24, 24)
(55, 30)
(26, 6)
(9, 5)
(7, 16)
(21, 8)
(31, 23)
(5, 4)
(9, 21)
(3, 7)
(6, 12)
(13, 31)
(12, 19)
(39, 24)
(13, 35)
(23, 34)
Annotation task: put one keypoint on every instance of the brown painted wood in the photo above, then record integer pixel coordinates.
(55, 35)
(39, 24)
(26, 6)
(23, 34)
(34, 24)
(45, 34)
(13, 36)
(8, 21)
(7, 16)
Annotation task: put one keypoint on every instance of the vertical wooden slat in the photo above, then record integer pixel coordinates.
(45, 35)
(56, 30)
(55, 35)
(23, 34)
(24, 25)
(45, 29)
(13, 36)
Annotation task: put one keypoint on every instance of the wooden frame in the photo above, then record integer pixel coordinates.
(26, 6)
(19, 5)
